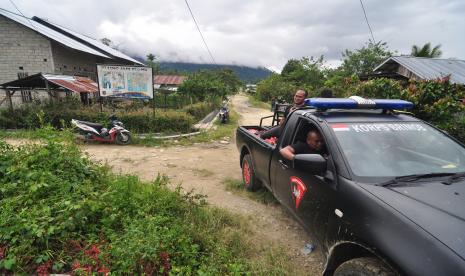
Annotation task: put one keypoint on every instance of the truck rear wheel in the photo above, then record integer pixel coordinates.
(364, 267)
(248, 174)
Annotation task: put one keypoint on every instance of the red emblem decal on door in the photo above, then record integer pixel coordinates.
(298, 190)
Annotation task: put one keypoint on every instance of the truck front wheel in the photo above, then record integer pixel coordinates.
(364, 267)
(248, 174)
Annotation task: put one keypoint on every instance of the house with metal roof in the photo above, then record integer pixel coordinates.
(418, 68)
(29, 88)
(168, 82)
(29, 46)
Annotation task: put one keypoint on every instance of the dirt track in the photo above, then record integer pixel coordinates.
(203, 167)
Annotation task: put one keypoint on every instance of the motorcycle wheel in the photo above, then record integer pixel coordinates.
(123, 138)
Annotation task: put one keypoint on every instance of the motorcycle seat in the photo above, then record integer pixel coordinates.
(94, 125)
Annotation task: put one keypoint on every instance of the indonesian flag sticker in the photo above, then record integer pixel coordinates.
(298, 190)
(340, 127)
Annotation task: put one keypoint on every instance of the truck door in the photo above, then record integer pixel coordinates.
(261, 153)
(306, 195)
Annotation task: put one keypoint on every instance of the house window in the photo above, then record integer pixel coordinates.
(26, 96)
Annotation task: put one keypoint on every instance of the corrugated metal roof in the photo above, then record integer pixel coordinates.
(37, 81)
(93, 42)
(169, 79)
(429, 68)
(52, 34)
(76, 84)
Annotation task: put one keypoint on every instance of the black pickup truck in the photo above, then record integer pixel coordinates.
(387, 198)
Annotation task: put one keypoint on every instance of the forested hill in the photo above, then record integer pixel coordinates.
(245, 73)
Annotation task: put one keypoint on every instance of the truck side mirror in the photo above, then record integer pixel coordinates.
(311, 163)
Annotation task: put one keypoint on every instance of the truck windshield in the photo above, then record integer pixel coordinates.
(396, 149)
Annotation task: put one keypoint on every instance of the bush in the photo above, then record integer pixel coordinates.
(136, 121)
(438, 102)
(275, 86)
(145, 122)
(174, 100)
(202, 109)
(61, 213)
(205, 85)
(379, 89)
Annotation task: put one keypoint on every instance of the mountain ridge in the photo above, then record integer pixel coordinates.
(247, 74)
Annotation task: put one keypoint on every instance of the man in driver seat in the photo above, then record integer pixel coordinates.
(314, 144)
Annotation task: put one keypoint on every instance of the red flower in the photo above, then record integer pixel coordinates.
(93, 251)
(42, 270)
(103, 270)
(165, 262)
(2, 252)
(76, 265)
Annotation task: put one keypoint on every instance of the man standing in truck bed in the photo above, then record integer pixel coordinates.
(299, 98)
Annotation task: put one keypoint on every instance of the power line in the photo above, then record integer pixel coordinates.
(16, 7)
(27, 18)
(366, 19)
(203, 39)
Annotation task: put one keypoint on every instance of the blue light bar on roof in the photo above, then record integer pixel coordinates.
(355, 102)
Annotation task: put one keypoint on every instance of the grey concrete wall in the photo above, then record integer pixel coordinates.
(21, 47)
(23, 50)
(74, 63)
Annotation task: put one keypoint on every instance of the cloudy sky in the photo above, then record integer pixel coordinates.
(257, 32)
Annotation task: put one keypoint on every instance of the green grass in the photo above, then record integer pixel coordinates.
(262, 195)
(257, 103)
(216, 133)
(32, 134)
(221, 131)
(63, 213)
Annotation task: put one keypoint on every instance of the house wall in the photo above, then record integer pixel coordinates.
(22, 50)
(72, 62)
(38, 96)
(407, 73)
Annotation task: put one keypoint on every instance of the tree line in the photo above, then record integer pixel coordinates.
(311, 74)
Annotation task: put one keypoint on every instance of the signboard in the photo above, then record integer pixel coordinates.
(125, 81)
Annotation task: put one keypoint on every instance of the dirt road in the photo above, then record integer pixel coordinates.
(204, 167)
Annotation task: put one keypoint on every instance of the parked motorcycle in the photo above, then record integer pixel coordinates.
(223, 114)
(97, 132)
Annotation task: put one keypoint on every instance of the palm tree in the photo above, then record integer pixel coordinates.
(426, 51)
(150, 57)
(152, 62)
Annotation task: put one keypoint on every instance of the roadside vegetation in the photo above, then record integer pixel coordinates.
(255, 101)
(171, 113)
(218, 132)
(438, 101)
(137, 116)
(62, 213)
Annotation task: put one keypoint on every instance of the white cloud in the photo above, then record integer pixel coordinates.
(259, 32)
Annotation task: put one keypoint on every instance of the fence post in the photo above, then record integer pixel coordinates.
(8, 96)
